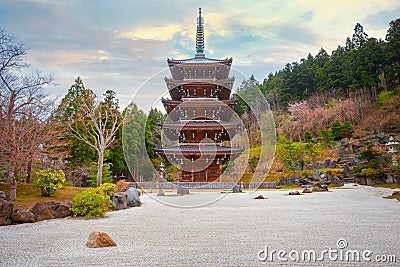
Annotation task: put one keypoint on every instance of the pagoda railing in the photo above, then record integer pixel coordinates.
(201, 185)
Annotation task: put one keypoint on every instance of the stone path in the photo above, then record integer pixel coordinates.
(229, 232)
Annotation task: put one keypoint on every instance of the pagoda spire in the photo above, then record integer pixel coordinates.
(200, 37)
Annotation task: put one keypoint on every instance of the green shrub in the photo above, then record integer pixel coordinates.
(91, 202)
(49, 181)
(169, 177)
(108, 189)
(68, 183)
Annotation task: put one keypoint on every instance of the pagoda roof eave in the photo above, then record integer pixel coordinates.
(195, 149)
(201, 101)
(199, 60)
(199, 125)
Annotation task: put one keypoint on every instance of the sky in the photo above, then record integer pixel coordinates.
(119, 45)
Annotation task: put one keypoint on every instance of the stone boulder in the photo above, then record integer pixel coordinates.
(23, 216)
(259, 197)
(3, 195)
(44, 211)
(236, 189)
(396, 178)
(346, 171)
(307, 190)
(181, 190)
(336, 180)
(320, 187)
(120, 200)
(63, 210)
(6, 209)
(133, 197)
(99, 240)
(294, 193)
(389, 180)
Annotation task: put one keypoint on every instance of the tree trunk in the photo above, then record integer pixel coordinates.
(13, 187)
(100, 169)
(28, 172)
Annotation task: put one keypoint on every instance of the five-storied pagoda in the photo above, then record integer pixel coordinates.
(201, 119)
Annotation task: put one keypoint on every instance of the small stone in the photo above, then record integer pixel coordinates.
(259, 197)
(23, 216)
(99, 240)
(294, 193)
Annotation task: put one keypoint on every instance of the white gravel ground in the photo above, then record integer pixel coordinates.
(229, 232)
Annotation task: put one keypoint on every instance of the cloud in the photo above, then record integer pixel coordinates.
(118, 45)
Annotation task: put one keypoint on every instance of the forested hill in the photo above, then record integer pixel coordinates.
(363, 62)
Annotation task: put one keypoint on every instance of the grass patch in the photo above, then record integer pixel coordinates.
(28, 195)
(391, 186)
(393, 197)
(288, 186)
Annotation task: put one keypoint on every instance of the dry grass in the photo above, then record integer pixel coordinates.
(28, 195)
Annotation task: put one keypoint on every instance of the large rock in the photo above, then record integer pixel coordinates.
(181, 190)
(63, 210)
(120, 200)
(236, 189)
(370, 181)
(336, 180)
(346, 171)
(3, 195)
(307, 190)
(44, 211)
(99, 240)
(320, 187)
(133, 197)
(396, 178)
(389, 180)
(23, 216)
(6, 209)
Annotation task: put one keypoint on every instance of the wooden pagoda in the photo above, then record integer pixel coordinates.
(200, 117)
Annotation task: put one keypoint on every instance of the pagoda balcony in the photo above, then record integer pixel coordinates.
(195, 150)
(200, 125)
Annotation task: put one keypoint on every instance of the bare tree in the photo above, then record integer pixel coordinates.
(23, 109)
(96, 126)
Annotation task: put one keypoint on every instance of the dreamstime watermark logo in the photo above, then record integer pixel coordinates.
(341, 253)
(178, 130)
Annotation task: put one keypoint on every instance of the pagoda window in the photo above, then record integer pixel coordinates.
(193, 135)
(194, 91)
(194, 113)
(204, 92)
(206, 135)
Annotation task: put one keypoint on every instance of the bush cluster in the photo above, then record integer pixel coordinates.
(93, 202)
(49, 181)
